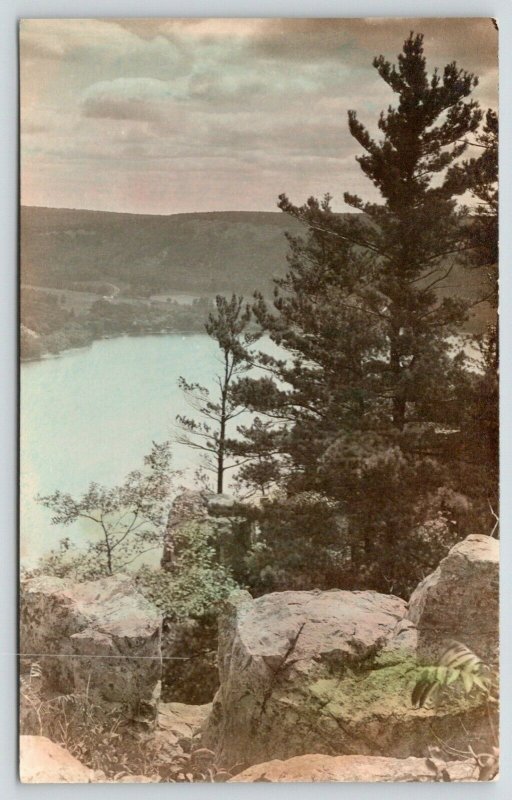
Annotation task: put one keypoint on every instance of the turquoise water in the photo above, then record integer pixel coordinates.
(92, 414)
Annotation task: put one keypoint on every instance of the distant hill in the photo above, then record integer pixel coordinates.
(198, 253)
(203, 253)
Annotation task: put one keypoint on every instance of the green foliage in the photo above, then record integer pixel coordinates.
(262, 458)
(208, 435)
(365, 321)
(457, 665)
(479, 176)
(393, 489)
(461, 677)
(299, 544)
(196, 584)
(128, 520)
(67, 561)
(189, 597)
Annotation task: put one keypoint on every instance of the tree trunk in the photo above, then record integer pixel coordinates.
(220, 475)
(399, 401)
(220, 456)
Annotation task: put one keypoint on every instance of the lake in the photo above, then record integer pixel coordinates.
(92, 414)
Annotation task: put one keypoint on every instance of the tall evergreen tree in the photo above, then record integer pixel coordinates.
(359, 313)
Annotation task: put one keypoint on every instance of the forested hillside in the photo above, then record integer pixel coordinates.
(144, 254)
(200, 253)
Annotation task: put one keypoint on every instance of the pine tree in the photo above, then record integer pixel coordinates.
(413, 238)
(360, 314)
(209, 435)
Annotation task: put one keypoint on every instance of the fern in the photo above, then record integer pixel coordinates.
(457, 664)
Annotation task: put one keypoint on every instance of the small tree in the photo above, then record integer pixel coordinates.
(228, 327)
(129, 518)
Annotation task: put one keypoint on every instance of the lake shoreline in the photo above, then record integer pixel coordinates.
(137, 335)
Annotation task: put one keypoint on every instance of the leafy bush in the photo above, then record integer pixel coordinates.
(189, 598)
(196, 584)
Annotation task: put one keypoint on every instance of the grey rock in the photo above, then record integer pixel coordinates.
(189, 506)
(221, 505)
(460, 601)
(179, 727)
(329, 672)
(100, 637)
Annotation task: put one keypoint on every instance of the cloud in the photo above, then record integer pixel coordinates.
(128, 99)
(171, 115)
(58, 38)
(472, 41)
(226, 29)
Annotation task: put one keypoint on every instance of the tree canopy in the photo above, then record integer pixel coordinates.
(365, 405)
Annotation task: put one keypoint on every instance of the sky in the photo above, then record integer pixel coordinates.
(167, 116)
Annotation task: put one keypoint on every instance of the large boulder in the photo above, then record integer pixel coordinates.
(460, 601)
(329, 672)
(320, 768)
(101, 637)
(43, 761)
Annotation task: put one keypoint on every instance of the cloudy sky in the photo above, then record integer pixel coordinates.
(171, 116)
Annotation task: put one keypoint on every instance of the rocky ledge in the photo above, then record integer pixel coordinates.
(332, 672)
(101, 637)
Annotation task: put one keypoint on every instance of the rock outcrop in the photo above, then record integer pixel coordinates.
(460, 601)
(43, 761)
(322, 768)
(318, 681)
(189, 506)
(100, 637)
(329, 672)
(291, 667)
(221, 512)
